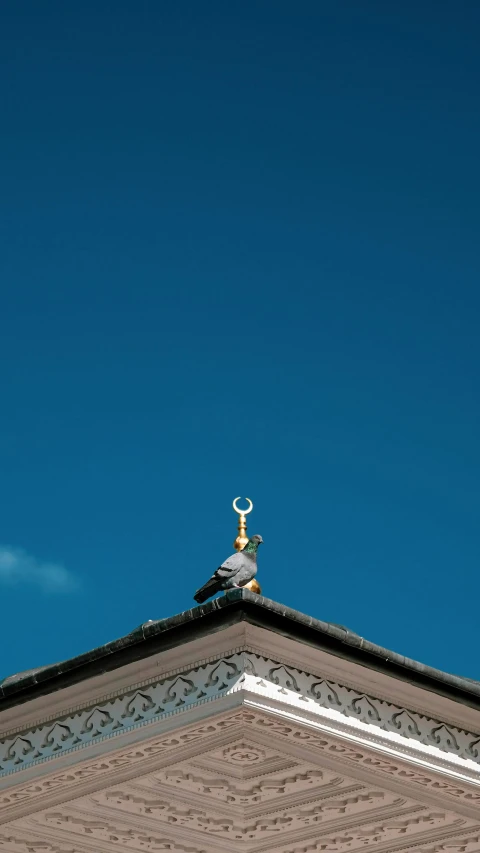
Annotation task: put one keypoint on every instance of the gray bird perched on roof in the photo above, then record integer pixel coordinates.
(237, 571)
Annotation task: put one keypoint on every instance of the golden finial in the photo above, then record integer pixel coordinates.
(242, 538)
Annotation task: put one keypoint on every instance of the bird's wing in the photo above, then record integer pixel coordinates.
(230, 567)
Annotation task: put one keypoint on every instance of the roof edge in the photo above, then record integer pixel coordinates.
(235, 606)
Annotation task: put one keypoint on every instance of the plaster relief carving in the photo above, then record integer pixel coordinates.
(203, 822)
(179, 691)
(21, 845)
(325, 694)
(137, 707)
(465, 845)
(222, 674)
(283, 677)
(366, 837)
(18, 751)
(96, 722)
(473, 749)
(263, 795)
(209, 681)
(57, 737)
(359, 757)
(127, 758)
(442, 737)
(243, 753)
(406, 725)
(111, 832)
(249, 792)
(365, 709)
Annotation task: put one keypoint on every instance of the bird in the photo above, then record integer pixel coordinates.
(235, 572)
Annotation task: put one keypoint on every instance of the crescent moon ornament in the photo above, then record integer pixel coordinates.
(242, 538)
(242, 511)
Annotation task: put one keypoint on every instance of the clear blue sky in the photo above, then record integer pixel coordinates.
(239, 256)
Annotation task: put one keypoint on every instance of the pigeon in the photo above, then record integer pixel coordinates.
(237, 571)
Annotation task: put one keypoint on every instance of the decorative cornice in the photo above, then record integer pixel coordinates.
(342, 708)
(259, 745)
(77, 779)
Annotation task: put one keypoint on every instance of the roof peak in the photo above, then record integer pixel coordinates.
(235, 606)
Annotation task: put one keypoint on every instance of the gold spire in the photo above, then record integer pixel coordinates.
(242, 538)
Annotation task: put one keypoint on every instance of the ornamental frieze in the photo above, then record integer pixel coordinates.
(206, 682)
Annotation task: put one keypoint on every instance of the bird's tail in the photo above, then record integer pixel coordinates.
(207, 590)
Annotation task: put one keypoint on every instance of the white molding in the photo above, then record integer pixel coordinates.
(363, 678)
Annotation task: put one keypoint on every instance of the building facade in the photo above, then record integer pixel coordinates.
(239, 725)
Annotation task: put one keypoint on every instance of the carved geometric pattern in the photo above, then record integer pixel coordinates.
(129, 758)
(364, 839)
(209, 681)
(17, 844)
(242, 795)
(289, 778)
(360, 757)
(237, 824)
(210, 768)
(246, 781)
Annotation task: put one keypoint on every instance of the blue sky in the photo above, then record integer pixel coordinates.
(239, 256)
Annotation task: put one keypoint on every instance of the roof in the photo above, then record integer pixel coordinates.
(235, 606)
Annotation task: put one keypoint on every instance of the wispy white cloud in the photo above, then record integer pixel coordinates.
(17, 566)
